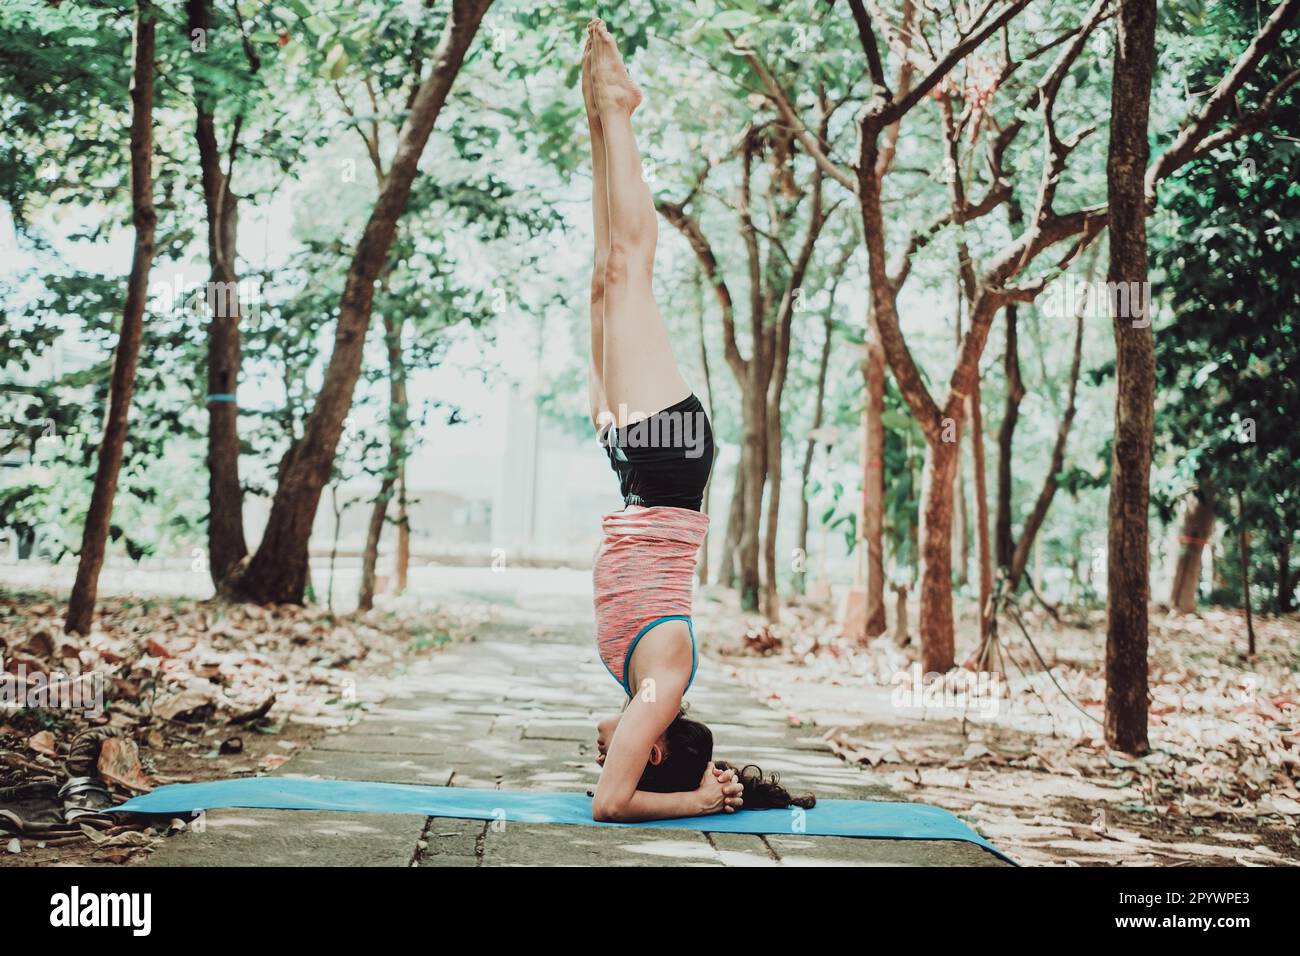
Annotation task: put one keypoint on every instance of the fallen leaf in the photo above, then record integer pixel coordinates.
(119, 762)
(39, 644)
(188, 706)
(43, 743)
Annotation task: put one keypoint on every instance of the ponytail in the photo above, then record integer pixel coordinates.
(764, 791)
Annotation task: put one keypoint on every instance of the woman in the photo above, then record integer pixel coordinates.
(656, 763)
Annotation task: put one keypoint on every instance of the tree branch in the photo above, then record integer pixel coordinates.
(1185, 147)
(677, 217)
(810, 144)
(867, 37)
(897, 109)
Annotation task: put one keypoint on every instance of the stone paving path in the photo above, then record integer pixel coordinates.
(516, 709)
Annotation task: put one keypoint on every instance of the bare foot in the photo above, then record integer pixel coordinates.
(588, 89)
(614, 89)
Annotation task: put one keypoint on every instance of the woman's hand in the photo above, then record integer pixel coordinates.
(720, 791)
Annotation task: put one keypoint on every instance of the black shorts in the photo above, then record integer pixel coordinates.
(663, 460)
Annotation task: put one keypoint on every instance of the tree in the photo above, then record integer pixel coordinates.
(1128, 566)
(278, 570)
(1194, 534)
(1018, 550)
(1003, 278)
(775, 278)
(819, 408)
(697, 299)
(1228, 366)
(226, 544)
(81, 605)
(398, 424)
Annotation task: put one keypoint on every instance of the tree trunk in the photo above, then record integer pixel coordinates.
(735, 523)
(771, 604)
(1128, 565)
(1005, 543)
(936, 624)
(901, 636)
(397, 428)
(1006, 440)
(94, 539)
(278, 572)
(779, 367)
(398, 396)
(1284, 585)
(334, 541)
(962, 528)
(1243, 546)
(402, 560)
(810, 446)
(1197, 526)
(703, 569)
(755, 462)
(772, 450)
(226, 544)
(800, 580)
(374, 532)
(935, 532)
(983, 555)
(1216, 572)
(1043, 503)
(873, 491)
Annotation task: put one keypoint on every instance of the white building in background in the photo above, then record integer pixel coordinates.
(509, 483)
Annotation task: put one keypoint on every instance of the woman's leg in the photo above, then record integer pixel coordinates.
(600, 217)
(639, 372)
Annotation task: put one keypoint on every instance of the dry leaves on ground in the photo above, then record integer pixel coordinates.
(1220, 785)
(184, 690)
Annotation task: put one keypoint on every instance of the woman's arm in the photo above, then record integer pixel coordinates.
(638, 730)
(643, 805)
(639, 727)
(719, 791)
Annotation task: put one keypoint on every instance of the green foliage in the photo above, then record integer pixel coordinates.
(318, 92)
(1229, 356)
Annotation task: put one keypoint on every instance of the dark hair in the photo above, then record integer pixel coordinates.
(688, 752)
(764, 791)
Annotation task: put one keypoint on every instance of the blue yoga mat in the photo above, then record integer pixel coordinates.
(846, 818)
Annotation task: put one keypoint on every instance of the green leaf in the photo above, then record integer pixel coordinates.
(732, 20)
(320, 24)
(336, 61)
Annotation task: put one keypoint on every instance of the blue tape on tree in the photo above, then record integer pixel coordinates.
(221, 397)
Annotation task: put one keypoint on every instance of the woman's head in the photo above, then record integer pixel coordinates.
(679, 758)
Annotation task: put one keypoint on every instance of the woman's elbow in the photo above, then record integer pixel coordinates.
(608, 811)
